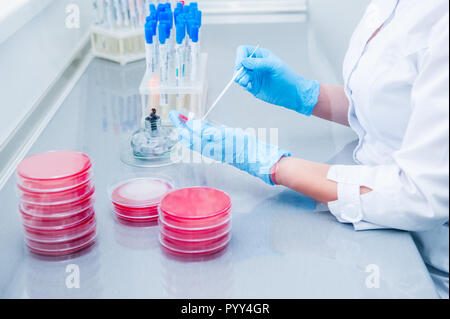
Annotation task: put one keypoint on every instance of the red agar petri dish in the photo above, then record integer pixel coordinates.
(145, 219)
(199, 249)
(53, 224)
(195, 235)
(140, 192)
(199, 223)
(195, 203)
(62, 235)
(56, 198)
(62, 248)
(53, 170)
(68, 184)
(140, 213)
(59, 211)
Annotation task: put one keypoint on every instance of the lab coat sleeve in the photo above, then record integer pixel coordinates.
(412, 193)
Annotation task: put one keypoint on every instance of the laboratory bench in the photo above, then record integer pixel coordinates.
(283, 245)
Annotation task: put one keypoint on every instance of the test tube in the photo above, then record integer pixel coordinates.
(180, 58)
(126, 14)
(118, 10)
(194, 52)
(109, 13)
(150, 49)
(141, 12)
(163, 61)
(98, 11)
(132, 9)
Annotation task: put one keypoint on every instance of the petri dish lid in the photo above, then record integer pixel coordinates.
(54, 165)
(52, 186)
(62, 235)
(195, 202)
(58, 198)
(194, 224)
(197, 249)
(140, 192)
(58, 211)
(132, 219)
(55, 224)
(64, 248)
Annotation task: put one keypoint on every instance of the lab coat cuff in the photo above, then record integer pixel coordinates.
(347, 208)
(363, 225)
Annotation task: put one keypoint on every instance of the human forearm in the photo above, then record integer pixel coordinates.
(332, 104)
(308, 178)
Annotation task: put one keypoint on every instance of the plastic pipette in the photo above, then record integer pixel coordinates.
(228, 86)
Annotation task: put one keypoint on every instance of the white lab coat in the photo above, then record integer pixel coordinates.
(397, 82)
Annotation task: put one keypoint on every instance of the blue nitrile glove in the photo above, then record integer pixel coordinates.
(268, 78)
(228, 145)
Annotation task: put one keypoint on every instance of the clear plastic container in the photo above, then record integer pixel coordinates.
(34, 223)
(59, 211)
(195, 235)
(198, 223)
(56, 198)
(139, 192)
(195, 203)
(61, 235)
(143, 219)
(194, 249)
(62, 185)
(54, 170)
(138, 213)
(62, 248)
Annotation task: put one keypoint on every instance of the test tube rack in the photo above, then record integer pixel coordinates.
(186, 98)
(121, 45)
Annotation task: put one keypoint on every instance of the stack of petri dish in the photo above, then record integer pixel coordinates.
(137, 199)
(56, 201)
(195, 221)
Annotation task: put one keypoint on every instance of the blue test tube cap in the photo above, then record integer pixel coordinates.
(194, 33)
(181, 18)
(162, 33)
(149, 33)
(189, 24)
(168, 29)
(152, 8)
(181, 33)
(154, 24)
(194, 6)
(166, 17)
(159, 9)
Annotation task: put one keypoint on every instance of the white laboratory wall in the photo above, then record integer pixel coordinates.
(333, 22)
(33, 56)
(236, 6)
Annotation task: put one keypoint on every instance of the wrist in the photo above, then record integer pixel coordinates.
(274, 172)
(308, 92)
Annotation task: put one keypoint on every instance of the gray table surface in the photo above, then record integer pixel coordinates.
(282, 246)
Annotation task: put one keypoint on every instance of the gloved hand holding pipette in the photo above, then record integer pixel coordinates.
(268, 78)
(229, 145)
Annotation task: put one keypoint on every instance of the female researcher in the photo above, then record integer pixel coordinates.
(395, 98)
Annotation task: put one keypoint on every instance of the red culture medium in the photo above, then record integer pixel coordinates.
(53, 170)
(56, 195)
(195, 221)
(137, 199)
